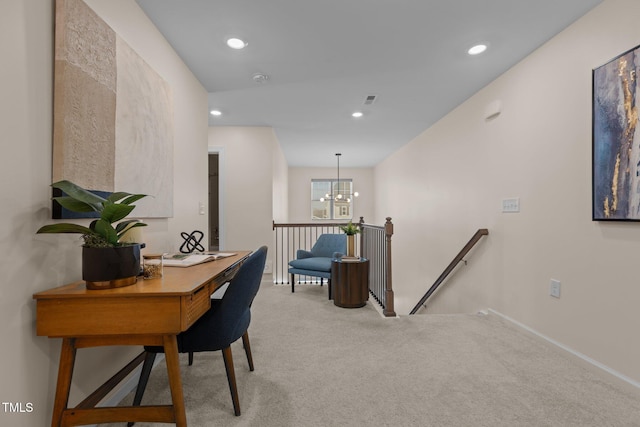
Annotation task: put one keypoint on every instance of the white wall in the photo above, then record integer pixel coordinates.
(300, 191)
(247, 171)
(280, 185)
(31, 262)
(450, 181)
(29, 363)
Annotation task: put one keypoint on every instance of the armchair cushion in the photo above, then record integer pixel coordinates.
(314, 264)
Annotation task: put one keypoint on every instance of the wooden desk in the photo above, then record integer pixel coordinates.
(151, 312)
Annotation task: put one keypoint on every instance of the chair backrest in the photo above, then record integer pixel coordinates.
(234, 308)
(328, 244)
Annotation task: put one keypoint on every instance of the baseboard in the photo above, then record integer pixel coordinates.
(126, 386)
(585, 358)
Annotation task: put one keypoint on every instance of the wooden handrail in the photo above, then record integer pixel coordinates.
(470, 244)
(308, 224)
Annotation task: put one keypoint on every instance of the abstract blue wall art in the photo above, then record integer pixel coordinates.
(616, 142)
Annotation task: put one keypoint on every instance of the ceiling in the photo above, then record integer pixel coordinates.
(324, 57)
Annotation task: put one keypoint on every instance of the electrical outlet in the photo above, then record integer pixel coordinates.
(268, 267)
(554, 288)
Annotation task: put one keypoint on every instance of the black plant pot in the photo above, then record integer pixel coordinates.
(106, 268)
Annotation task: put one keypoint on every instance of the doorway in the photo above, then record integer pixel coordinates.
(214, 202)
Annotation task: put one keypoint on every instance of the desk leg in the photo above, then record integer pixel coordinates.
(175, 383)
(65, 372)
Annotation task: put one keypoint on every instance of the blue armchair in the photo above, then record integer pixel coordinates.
(317, 262)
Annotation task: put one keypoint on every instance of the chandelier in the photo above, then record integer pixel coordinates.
(340, 195)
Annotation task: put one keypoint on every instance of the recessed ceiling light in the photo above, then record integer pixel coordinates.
(235, 43)
(260, 78)
(216, 112)
(357, 114)
(477, 49)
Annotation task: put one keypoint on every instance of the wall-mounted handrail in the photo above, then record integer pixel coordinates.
(465, 250)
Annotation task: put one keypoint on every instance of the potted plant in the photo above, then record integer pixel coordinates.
(350, 230)
(107, 262)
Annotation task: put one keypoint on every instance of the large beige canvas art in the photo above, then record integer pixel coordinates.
(113, 114)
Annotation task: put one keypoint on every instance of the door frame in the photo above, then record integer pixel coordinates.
(221, 186)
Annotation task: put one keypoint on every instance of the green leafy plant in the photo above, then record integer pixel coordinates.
(350, 229)
(102, 232)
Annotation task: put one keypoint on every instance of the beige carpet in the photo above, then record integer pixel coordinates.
(321, 365)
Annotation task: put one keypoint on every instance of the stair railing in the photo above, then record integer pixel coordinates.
(289, 237)
(460, 257)
(374, 244)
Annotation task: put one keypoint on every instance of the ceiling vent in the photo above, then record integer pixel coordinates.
(370, 100)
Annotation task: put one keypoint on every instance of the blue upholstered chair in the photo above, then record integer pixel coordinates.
(223, 324)
(317, 261)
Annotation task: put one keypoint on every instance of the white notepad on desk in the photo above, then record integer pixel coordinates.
(187, 260)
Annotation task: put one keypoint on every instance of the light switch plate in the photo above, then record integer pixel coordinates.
(511, 205)
(554, 288)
